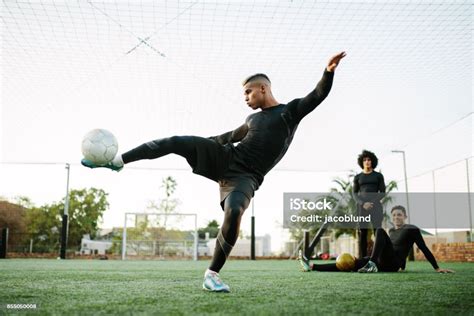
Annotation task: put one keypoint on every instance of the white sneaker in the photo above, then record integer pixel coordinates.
(370, 267)
(213, 283)
(115, 165)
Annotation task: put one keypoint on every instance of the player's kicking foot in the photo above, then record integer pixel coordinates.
(115, 164)
(213, 283)
(304, 262)
(370, 267)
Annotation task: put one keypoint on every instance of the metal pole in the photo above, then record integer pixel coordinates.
(195, 238)
(65, 224)
(411, 255)
(469, 200)
(406, 185)
(252, 234)
(124, 237)
(434, 206)
(4, 243)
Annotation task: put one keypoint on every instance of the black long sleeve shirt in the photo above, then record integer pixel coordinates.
(404, 238)
(369, 187)
(266, 135)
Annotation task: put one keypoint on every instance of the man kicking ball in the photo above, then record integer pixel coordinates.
(389, 253)
(264, 139)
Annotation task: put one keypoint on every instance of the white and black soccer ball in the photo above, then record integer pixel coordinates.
(99, 146)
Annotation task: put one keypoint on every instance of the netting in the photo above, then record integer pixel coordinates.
(170, 65)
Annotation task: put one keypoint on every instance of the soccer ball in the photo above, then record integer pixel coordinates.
(345, 262)
(99, 146)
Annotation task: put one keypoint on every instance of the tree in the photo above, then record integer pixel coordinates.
(342, 192)
(44, 225)
(212, 228)
(86, 208)
(13, 217)
(167, 205)
(24, 201)
(158, 231)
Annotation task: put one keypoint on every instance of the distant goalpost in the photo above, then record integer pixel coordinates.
(160, 235)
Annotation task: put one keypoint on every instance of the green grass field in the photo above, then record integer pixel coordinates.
(260, 287)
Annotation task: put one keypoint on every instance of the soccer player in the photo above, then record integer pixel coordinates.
(389, 253)
(369, 189)
(264, 139)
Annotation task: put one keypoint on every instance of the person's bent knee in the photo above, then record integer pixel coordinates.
(235, 204)
(234, 212)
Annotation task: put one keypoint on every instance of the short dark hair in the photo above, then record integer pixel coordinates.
(399, 207)
(253, 77)
(370, 155)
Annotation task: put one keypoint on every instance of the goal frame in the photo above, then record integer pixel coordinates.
(124, 233)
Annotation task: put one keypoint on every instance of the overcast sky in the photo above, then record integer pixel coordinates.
(147, 70)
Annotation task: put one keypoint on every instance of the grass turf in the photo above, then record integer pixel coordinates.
(260, 287)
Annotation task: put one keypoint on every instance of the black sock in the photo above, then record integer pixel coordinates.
(234, 207)
(363, 242)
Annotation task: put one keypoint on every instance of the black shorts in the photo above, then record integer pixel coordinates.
(218, 163)
(212, 159)
(246, 185)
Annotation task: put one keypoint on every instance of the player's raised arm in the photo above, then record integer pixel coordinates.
(233, 136)
(334, 61)
(315, 97)
(428, 254)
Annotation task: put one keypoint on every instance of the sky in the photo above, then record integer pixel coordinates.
(151, 69)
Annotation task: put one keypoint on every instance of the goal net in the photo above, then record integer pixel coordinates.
(160, 236)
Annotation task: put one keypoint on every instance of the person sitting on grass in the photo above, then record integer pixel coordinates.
(389, 253)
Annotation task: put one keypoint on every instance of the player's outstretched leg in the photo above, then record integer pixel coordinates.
(234, 207)
(383, 255)
(180, 145)
(382, 242)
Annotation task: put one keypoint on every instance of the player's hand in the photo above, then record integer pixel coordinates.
(439, 270)
(368, 205)
(334, 61)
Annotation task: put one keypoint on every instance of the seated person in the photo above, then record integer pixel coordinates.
(389, 253)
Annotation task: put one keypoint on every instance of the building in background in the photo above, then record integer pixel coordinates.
(94, 247)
